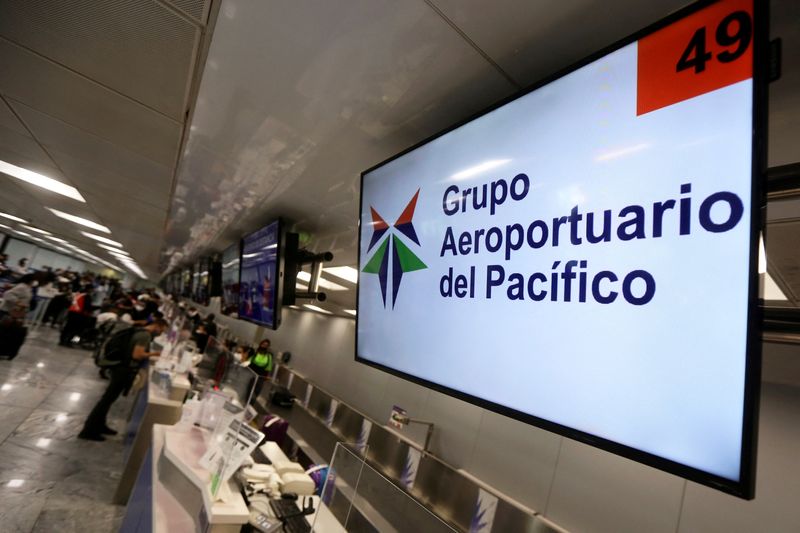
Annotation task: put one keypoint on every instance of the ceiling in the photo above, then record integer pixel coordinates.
(96, 94)
(291, 103)
(295, 102)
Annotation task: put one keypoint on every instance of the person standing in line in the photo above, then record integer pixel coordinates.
(133, 345)
(77, 315)
(22, 267)
(17, 300)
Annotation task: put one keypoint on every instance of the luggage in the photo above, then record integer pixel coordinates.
(281, 396)
(275, 429)
(12, 335)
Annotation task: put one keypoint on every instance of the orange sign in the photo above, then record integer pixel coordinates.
(706, 51)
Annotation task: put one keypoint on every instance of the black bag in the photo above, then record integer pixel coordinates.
(282, 397)
(117, 348)
(12, 336)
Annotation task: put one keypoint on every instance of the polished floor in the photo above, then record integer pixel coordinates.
(49, 479)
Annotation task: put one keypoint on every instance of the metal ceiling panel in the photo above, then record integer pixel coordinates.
(531, 40)
(140, 49)
(295, 103)
(197, 9)
(64, 95)
(9, 121)
(90, 160)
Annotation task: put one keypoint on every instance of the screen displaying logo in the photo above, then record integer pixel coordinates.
(402, 258)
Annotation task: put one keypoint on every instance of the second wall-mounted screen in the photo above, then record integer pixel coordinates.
(259, 280)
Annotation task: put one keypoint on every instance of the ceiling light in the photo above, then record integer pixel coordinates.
(345, 272)
(12, 217)
(37, 230)
(79, 220)
(43, 443)
(18, 232)
(15, 483)
(350, 312)
(40, 180)
(4, 226)
(317, 309)
(56, 239)
(101, 239)
(112, 249)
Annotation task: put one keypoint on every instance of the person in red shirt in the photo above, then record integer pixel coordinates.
(79, 313)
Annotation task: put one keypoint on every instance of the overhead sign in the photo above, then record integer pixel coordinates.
(583, 256)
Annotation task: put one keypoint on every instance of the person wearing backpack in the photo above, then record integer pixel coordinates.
(122, 354)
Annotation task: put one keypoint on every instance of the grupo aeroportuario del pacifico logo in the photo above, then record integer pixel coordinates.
(392, 248)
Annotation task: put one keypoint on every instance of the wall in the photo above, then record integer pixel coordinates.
(578, 487)
(39, 257)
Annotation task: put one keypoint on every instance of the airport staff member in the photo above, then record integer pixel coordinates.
(261, 363)
(121, 376)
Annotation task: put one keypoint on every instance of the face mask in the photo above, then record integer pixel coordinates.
(238, 356)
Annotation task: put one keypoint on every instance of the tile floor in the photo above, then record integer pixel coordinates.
(49, 479)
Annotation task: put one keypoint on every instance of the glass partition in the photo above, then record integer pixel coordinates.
(361, 499)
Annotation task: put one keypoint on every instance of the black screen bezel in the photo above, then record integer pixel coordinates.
(745, 486)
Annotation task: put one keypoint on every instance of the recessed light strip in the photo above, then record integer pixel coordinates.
(40, 180)
(101, 239)
(79, 220)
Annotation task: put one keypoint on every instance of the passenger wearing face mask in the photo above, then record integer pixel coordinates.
(17, 300)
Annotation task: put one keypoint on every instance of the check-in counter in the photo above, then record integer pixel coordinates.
(153, 405)
(172, 490)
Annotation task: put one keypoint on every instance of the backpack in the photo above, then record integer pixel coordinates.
(117, 348)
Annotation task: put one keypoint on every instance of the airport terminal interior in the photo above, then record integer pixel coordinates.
(399, 266)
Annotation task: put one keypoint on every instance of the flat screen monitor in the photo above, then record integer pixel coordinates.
(229, 303)
(583, 256)
(260, 276)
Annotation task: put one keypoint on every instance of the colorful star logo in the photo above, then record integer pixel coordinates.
(403, 259)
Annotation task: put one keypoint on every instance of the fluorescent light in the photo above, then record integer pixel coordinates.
(4, 226)
(43, 443)
(40, 365)
(317, 309)
(18, 232)
(480, 167)
(12, 217)
(79, 220)
(622, 152)
(6, 386)
(15, 483)
(37, 230)
(41, 180)
(56, 239)
(61, 417)
(112, 249)
(75, 396)
(101, 239)
(350, 312)
(345, 272)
